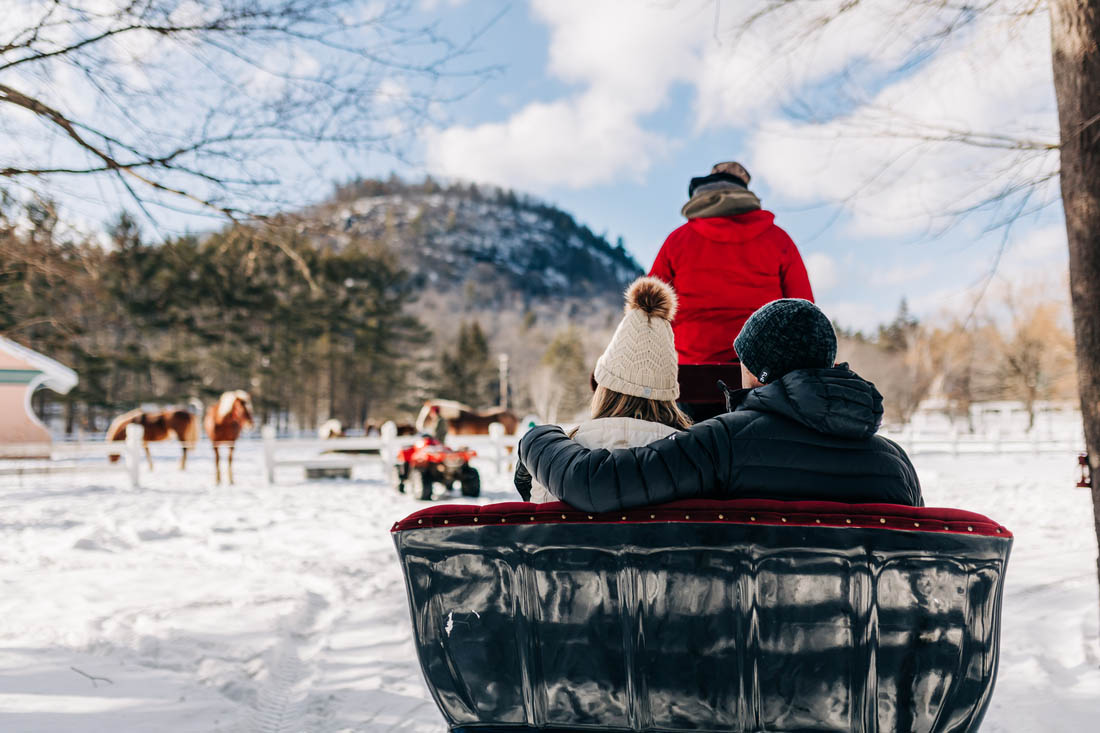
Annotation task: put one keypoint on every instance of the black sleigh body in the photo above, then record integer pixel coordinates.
(742, 615)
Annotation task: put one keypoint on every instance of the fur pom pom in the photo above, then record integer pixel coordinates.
(653, 297)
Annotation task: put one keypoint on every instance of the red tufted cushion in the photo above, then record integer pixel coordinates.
(733, 511)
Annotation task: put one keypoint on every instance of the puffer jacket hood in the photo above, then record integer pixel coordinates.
(740, 228)
(834, 401)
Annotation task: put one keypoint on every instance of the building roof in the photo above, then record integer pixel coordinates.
(36, 367)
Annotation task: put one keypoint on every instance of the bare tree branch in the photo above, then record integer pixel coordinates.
(221, 107)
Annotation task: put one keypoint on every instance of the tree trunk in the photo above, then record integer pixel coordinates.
(1075, 35)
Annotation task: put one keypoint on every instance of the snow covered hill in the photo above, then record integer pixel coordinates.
(462, 238)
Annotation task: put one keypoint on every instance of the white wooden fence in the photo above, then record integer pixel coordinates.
(993, 442)
(319, 452)
(71, 457)
(496, 447)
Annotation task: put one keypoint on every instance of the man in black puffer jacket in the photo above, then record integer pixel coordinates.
(805, 430)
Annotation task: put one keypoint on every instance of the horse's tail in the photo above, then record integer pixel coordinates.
(117, 430)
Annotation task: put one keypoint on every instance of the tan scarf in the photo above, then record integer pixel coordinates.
(720, 200)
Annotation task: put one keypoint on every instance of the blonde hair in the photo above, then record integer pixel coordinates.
(609, 403)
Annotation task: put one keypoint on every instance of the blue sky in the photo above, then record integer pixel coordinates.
(666, 89)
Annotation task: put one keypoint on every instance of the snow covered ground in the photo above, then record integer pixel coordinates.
(187, 607)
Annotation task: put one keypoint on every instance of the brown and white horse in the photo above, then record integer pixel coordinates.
(158, 426)
(224, 422)
(461, 420)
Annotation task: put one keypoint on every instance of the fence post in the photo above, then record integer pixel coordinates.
(389, 443)
(134, 437)
(496, 434)
(268, 434)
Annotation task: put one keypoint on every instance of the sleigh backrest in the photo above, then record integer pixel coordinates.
(706, 616)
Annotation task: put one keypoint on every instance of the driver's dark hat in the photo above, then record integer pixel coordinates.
(728, 172)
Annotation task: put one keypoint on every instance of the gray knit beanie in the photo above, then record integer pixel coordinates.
(783, 336)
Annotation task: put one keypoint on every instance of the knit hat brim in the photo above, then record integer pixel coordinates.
(608, 379)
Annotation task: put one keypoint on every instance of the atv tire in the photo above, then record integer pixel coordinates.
(471, 482)
(399, 477)
(420, 484)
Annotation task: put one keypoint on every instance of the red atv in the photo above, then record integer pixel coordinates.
(427, 462)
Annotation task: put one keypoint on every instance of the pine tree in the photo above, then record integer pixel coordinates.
(565, 359)
(466, 372)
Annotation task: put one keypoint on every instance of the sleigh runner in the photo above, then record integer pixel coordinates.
(744, 615)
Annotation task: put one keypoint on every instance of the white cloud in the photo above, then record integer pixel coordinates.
(1043, 247)
(747, 72)
(624, 58)
(875, 160)
(275, 73)
(572, 143)
(822, 270)
(430, 5)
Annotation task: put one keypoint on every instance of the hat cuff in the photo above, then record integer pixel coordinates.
(698, 181)
(746, 360)
(607, 379)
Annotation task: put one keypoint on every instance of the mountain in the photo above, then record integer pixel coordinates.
(544, 289)
(492, 248)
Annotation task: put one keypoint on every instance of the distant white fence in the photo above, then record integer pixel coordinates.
(995, 442)
(496, 447)
(278, 452)
(72, 457)
(319, 452)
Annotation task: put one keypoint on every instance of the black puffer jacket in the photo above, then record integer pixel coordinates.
(810, 436)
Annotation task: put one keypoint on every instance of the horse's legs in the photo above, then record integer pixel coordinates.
(149, 456)
(229, 465)
(183, 461)
(217, 466)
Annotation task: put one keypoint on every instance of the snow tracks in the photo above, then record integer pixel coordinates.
(283, 702)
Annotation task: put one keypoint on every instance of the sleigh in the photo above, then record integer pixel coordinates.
(743, 615)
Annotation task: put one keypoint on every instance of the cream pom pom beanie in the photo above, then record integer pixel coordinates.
(641, 358)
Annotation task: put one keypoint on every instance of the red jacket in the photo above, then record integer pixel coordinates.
(723, 268)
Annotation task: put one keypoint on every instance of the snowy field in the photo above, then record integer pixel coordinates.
(187, 607)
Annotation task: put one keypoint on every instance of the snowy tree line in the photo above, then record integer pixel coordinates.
(190, 317)
(1018, 345)
(311, 331)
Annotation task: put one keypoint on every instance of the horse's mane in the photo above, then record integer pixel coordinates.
(118, 425)
(449, 409)
(226, 402)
